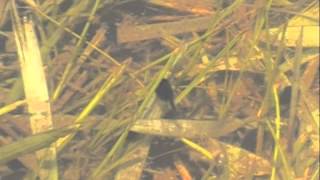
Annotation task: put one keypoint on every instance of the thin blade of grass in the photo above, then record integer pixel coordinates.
(11, 107)
(283, 157)
(277, 135)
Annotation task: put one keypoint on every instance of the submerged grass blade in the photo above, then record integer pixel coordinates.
(277, 135)
(31, 144)
(35, 88)
(197, 148)
(11, 107)
(287, 170)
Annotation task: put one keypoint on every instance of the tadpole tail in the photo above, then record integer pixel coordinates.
(173, 106)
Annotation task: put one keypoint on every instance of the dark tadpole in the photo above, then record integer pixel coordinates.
(285, 96)
(165, 93)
